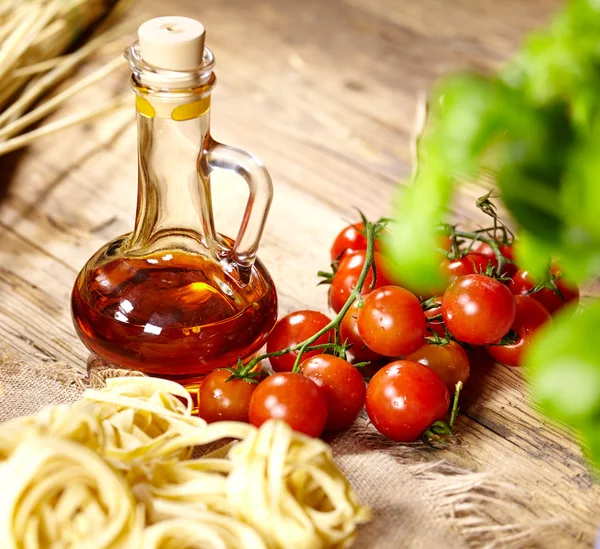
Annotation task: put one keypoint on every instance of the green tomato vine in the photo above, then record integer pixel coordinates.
(301, 348)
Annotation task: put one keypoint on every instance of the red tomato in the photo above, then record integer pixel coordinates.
(351, 239)
(404, 398)
(392, 322)
(349, 333)
(343, 385)
(478, 309)
(449, 361)
(292, 330)
(436, 325)
(505, 249)
(293, 398)
(344, 281)
(531, 314)
(222, 400)
(471, 263)
(522, 283)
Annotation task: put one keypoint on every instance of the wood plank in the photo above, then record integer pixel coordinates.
(526, 449)
(35, 291)
(324, 93)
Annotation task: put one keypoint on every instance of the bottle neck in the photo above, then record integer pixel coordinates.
(173, 122)
(176, 156)
(174, 205)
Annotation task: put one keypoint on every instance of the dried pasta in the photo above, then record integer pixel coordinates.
(202, 530)
(79, 425)
(199, 484)
(288, 487)
(57, 493)
(139, 417)
(115, 471)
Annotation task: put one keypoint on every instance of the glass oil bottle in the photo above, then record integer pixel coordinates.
(174, 298)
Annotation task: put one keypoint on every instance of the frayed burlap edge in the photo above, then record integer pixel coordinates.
(471, 501)
(486, 511)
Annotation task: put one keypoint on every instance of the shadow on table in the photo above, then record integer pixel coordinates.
(26, 208)
(8, 166)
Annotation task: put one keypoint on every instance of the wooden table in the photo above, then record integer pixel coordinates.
(324, 92)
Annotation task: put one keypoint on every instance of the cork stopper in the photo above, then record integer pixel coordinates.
(172, 43)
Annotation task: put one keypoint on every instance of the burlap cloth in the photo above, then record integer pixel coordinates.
(416, 504)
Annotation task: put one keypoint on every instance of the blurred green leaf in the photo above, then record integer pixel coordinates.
(563, 367)
(590, 437)
(532, 254)
(536, 127)
(580, 193)
(413, 242)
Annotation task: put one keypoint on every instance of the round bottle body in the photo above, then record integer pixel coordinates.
(172, 313)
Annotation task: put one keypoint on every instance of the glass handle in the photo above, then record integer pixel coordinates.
(223, 157)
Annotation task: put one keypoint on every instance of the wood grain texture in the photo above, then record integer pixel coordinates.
(324, 93)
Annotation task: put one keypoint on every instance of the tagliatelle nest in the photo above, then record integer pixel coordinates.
(313, 507)
(56, 493)
(115, 472)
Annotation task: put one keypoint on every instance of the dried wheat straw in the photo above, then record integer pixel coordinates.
(66, 122)
(35, 36)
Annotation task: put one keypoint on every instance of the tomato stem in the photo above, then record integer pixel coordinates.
(477, 236)
(439, 431)
(430, 303)
(336, 321)
(437, 340)
(509, 339)
(485, 204)
(454, 411)
(549, 282)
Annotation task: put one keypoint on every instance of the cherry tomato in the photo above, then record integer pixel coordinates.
(505, 249)
(449, 361)
(531, 314)
(478, 309)
(345, 279)
(222, 400)
(436, 325)
(522, 283)
(343, 385)
(471, 263)
(293, 398)
(351, 239)
(349, 333)
(291, 330)
(391, 322)
(404, 398)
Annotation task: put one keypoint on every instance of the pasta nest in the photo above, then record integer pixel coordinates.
(116, 471)
(57, 493)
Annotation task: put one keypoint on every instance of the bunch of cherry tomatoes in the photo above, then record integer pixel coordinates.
(418, 346)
